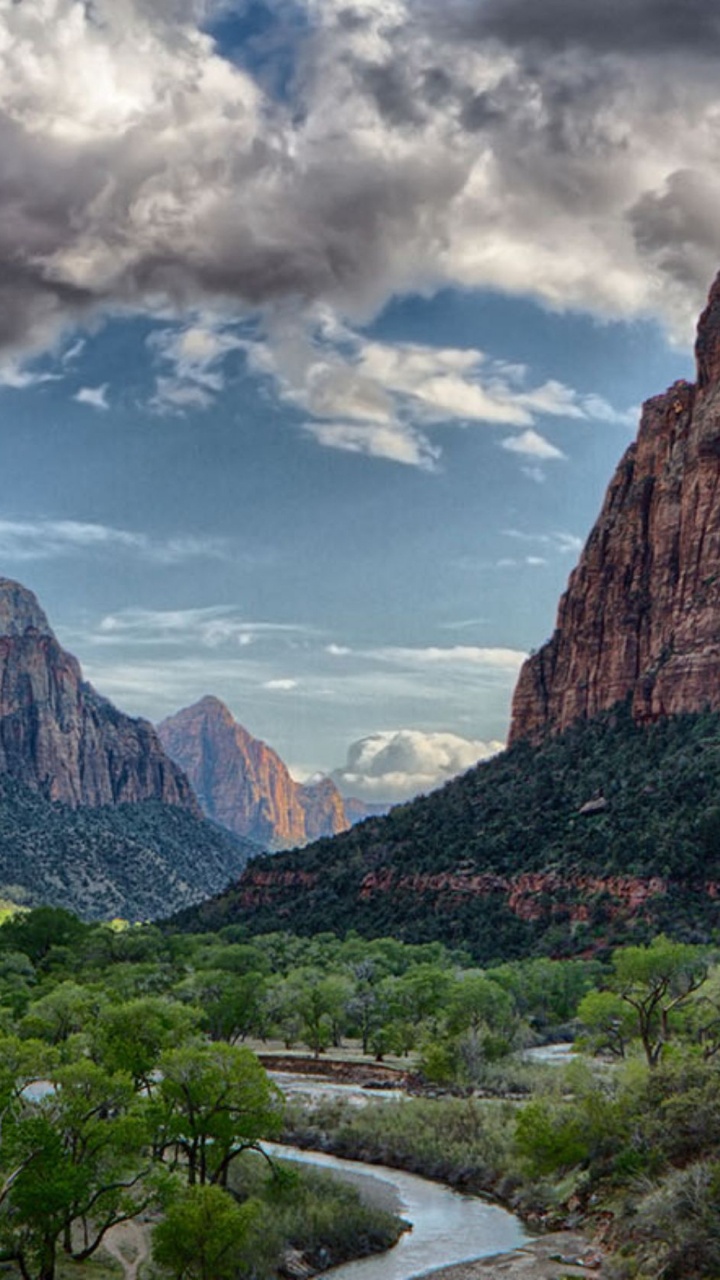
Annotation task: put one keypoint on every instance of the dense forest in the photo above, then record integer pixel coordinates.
(131, 1090)
(128, 860)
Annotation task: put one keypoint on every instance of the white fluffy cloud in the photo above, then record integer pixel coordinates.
(401, 763)
(532, 445)
(474, 144)
(381, 398)
(95, 397)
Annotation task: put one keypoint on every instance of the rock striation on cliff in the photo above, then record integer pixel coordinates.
(243, 785)
(640, 618)
(58, 736)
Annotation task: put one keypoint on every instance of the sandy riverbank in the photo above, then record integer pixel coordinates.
(552, 1257)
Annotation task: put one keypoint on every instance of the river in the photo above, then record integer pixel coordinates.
(447, 1227)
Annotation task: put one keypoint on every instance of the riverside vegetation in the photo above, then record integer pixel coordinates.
(151, 1103)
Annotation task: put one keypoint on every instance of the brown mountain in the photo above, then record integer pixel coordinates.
(243, 784)
(61, 738)
(93, 815)
(641, 615)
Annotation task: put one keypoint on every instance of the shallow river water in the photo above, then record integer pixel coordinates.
(446, 1227)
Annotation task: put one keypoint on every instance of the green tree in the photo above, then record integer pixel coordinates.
(656, 981)
(203, 1235)
(478, 1002)
(71, 1168)
(65, 1010)
(36, 932)
(214, 1102)
(131, 1037)
(610, 1021)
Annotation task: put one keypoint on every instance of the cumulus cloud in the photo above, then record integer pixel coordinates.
(390, 394)
(532, 445)
(397, 764)
(397, 442)
(534, 149)
(195, 353)
(95, 397)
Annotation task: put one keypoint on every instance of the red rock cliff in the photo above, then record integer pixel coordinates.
(641, 615)
(58, 735)
(244, 785)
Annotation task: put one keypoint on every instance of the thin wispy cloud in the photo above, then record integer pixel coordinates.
(27, 540)
(213, 627)
(562, 542)
(497, 659)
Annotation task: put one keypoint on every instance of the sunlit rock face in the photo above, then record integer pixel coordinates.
(58, 735)
(641, 615)
(244, 785)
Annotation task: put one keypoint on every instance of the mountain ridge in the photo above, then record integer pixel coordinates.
(94, 816)
(243, 784)
(58, 735)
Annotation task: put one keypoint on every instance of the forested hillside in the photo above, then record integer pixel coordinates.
(608, 832)
(131, 860)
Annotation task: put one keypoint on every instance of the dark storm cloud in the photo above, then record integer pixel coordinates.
(680, 224)
(405, 159)
(394, 94)
(635, 27)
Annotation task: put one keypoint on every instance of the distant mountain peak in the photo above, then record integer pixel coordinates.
(20, 611)
(209, 705)
(243, 784)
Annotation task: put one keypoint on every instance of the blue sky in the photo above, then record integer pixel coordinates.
(324, 328)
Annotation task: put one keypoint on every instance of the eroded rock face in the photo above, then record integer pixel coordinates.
(641, 615)
(244, 785)
(58, 735)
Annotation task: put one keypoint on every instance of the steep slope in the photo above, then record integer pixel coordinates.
(94, 816)
(641, 614)
(243, 784)
(136, 861)
(606, 833)
(60, 737)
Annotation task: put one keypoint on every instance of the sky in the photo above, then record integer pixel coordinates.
(323, 325)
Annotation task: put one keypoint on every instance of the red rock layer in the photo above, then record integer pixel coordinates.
(58, 735)
(641, 615)
(243, 784)
(530, 896)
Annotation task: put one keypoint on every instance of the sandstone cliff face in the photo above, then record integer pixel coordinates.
(243, 784)
(641, 614)
(60, 737)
